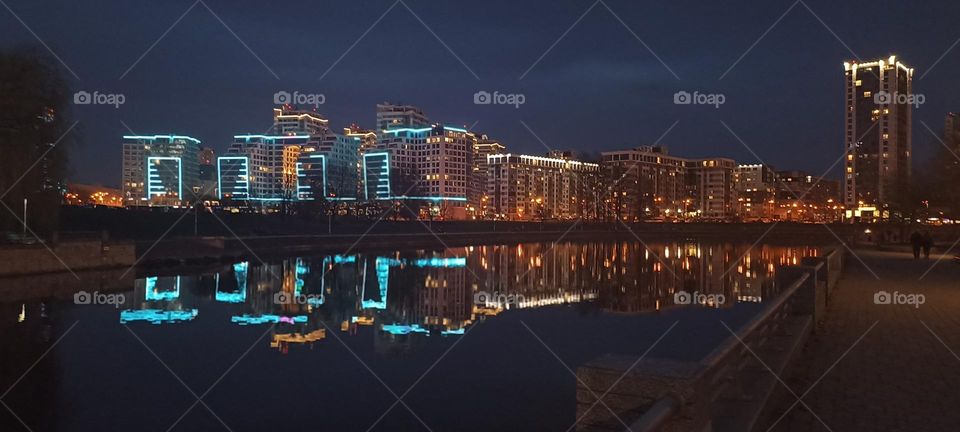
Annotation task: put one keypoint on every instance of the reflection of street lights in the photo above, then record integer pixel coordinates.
(24, 217)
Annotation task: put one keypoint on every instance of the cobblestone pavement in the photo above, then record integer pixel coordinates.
(902, 375)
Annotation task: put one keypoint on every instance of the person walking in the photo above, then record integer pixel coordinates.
(916, 240)
(927, 244)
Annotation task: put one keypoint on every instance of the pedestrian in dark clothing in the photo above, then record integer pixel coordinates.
(927, 244)
(916, 240)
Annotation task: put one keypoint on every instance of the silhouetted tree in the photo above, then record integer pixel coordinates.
(34, 125)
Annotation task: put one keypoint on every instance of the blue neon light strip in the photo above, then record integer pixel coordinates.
(152, 172)
(242, 181)
(157, 316)
(240, 295)
(156, 137)
(246, 319)
(272, 136)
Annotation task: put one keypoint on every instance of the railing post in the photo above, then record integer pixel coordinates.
(631, 394)
(810, 299)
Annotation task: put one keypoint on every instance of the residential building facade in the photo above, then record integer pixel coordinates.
(646, 183)
(710, 183)
(755, 187)
(524, 187)
(160, 170)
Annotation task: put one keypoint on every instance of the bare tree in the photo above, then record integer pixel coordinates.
(35, 133)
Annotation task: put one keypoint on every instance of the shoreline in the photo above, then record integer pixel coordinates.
(206, 250)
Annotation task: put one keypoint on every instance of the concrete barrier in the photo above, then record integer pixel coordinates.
(65, 256)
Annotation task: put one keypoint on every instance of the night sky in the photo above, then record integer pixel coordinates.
(597, 89)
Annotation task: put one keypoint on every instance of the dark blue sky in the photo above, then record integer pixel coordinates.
(599, 88)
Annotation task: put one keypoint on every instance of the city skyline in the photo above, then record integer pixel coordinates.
(212, 90)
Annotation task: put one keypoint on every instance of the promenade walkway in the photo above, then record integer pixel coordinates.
(880, 367)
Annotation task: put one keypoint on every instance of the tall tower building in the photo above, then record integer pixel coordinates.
(877, 136)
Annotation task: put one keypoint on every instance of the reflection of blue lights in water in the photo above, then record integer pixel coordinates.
(234, 297)
(383, 276)
(315, 301)
(240, 295)
(152, 294)
(157, 316)
(267, 319)
(383, 265)
(402, 329)
(439, 262)
(301, 271)
(399, 329)
(339, 259)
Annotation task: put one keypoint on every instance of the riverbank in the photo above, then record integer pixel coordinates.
(78, 252)
(65, 257)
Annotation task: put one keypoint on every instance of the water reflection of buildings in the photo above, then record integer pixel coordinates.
(406, 297)
(161, 302)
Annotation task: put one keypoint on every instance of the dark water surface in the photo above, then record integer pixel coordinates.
(475, 338)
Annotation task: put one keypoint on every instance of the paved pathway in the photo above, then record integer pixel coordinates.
(899, 377)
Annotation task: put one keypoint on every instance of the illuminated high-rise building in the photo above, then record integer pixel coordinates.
(878, 99)
(160, 170)
(330, 168)
(429, 163)
(302, 160)
(270, 163)
(390, 116)
(288, 120)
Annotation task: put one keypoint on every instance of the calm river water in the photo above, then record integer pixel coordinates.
(477, 338)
